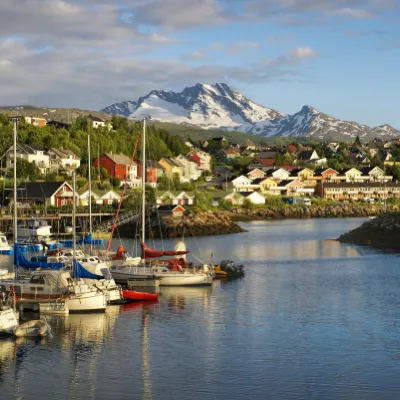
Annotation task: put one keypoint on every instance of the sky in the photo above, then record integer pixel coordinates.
(340, 56)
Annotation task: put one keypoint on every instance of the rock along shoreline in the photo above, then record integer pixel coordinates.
(382, 232)
(225, 222)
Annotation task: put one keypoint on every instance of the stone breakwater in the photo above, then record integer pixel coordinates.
(204, 223)
(381, 232)
(343, 210)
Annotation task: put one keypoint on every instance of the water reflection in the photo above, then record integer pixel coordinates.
(180, 297)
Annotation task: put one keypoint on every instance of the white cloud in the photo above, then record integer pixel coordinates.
(353, 13)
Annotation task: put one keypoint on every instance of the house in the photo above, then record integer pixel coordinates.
(29, 152)
(280, 174)
(304, 175)
(84, 198)
(326, 175)
(191, 171)
(172, 167)
(58, 124)
(64, 159)
(175, 198)
(256, 174)
(350, 175)
(233, 198)
(154, 171)
(202, 159)
(96, 122)
(292, 188)
(307, 156)
(253, 197)
(119, 167)
(55, 194)
(171, 210)
(36, 121)
(375, 174)
(243, 184)
(292, 148)
(110, 197)
(266, 184)
(248, 145)
(357, 190)
(226, 156)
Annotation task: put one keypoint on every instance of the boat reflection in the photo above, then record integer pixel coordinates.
(180, 297)
(8, 349)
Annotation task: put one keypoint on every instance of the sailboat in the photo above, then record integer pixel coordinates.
(173, 271)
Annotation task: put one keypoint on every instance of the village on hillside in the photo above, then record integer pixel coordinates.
(211, 172)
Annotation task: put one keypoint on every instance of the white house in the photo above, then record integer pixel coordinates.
(243, 184)
(64, 159)
(253, 197)
(191, 171)
(97, 122)
(31, 153)
(84, 198)
(279, 174)
(110, 197)
(175, 198)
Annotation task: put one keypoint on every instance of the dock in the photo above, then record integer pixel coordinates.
(44, 306)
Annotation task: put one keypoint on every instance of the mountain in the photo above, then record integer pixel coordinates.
(221, 107)
(208, 106)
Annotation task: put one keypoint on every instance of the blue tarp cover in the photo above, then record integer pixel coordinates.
(21, 261)
(79, 272)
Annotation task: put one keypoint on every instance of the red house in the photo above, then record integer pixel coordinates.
(195, 157)
(117, 166)
(153, 171)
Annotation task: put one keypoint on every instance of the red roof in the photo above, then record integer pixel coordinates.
(292, 148)
(266, 161)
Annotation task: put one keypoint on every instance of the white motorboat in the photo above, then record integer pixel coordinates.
(8, 315)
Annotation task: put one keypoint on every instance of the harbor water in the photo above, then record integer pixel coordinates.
(312, 319)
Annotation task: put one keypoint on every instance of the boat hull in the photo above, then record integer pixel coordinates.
(87, 302)
(131, 295)
(34, 328)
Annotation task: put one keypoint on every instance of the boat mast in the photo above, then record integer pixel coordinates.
(73, 220)
(143, 181)
(90, 195)
(15, 182)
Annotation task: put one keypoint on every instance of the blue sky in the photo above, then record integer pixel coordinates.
(340, 56)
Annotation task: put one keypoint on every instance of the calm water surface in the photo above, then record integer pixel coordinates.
(312, 319)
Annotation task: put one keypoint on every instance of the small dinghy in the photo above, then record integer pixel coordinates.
(131, 295)
(34, 328)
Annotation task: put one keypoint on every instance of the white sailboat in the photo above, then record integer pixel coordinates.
(171, 272)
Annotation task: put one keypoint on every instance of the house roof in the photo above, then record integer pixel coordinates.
(292, 148)
(305, 154)
(153, 164)
(367, 170)
(344, 171)
(29, 148)
(96, 119)
(247, 194)
(172, 162)
(63, 153)
(267, 154)
(187, 158)
(58, 124)
(285, 183)
(119, 158)
(319, 171)
(37, 190)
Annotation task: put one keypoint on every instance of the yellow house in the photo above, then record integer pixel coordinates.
(266, 184)
(303, 175)
(171, 166)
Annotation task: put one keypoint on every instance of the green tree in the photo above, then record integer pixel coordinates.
(25, 170)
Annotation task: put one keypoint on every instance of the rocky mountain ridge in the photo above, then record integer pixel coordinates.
(219, 106)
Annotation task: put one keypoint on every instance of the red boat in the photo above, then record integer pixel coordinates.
(131, 295)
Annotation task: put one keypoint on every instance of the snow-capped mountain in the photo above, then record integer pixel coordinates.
(219, 106)
(208, 106)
